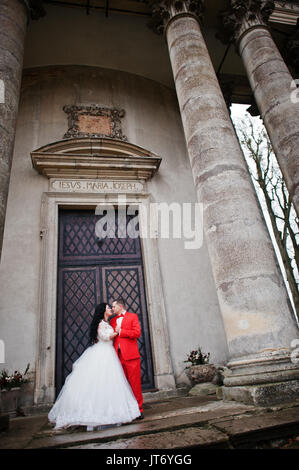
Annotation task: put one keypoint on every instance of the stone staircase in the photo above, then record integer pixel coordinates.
(186, 422)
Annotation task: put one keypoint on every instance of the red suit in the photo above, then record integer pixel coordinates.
(127, 350)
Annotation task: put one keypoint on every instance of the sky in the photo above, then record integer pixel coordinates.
(238, 112)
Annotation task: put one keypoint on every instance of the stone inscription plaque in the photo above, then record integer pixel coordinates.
(94, 121)
(94, 124)
(95, 186)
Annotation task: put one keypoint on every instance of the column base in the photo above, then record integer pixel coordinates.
(263, 395)
(265, 379)
(165, 382)
(44, 396)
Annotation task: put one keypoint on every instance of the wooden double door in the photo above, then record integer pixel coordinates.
(91, 271)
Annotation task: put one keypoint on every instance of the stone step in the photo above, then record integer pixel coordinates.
(246, 430)
(156, 421)
(233, 432)
(187, 438)
(183, 422)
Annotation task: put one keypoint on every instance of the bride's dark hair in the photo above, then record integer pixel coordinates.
(98, 316)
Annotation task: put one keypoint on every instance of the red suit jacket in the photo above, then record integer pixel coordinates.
(130, 331)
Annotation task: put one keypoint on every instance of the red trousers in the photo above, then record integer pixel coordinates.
(132, 371)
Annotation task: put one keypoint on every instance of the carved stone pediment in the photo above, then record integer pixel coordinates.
(95, 158)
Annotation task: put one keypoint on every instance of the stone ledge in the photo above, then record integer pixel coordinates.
(192, 437)
(150, 397)
(33, 410)
(195, 421)
(263, 426)
(199, 413)
(204, 389)
(263, 394)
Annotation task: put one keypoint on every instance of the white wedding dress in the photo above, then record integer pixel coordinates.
(96, 392)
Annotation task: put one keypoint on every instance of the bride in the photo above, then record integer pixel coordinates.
(96, 392)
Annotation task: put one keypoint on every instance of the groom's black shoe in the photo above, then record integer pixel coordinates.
(141, 416)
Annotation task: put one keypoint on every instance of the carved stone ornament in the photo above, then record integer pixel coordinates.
(35, 8)
(163, 11)
(94, 122)
(242, 15)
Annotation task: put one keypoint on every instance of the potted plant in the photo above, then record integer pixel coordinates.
(10, 386)
(200, 370)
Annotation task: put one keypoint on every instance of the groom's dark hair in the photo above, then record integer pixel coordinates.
(120, 301)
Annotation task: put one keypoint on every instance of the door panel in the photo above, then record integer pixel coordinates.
(78, 294)
(79, 242)
(127, 281)
(90, 273)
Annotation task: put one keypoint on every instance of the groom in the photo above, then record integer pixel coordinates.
(127, 326)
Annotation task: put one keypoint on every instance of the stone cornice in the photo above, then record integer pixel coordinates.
(166, 10)
(244, 15)
(95, 158)
(35, 8)
(285, 13)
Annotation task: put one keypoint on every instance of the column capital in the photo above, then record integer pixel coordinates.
(35, 9)
(243, 15)
(164, 11)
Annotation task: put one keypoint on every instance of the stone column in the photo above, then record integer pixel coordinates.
(253, 301)
(271, 82)
(14, 15)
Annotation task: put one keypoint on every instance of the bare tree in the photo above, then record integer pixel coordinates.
(273, 195)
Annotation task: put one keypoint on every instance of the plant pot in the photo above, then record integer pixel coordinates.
(201, 373)
(10, 400)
